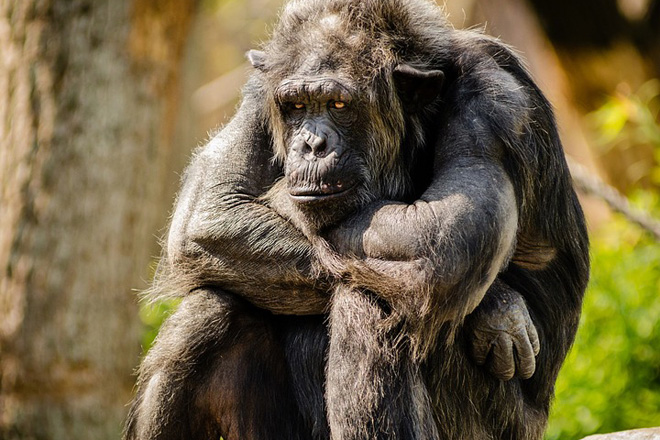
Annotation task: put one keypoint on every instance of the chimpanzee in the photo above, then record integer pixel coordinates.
(383, 243)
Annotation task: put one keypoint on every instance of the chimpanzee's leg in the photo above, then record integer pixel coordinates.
(217, 369)
(374, 390)
(484, 402)
(306, 344)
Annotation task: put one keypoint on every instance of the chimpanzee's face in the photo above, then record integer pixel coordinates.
(340, 134)
(322, 126)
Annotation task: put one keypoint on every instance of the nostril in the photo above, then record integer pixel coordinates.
(312, 144)
(317, 145)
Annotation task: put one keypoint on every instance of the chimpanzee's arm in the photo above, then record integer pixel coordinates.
(436, 257)
(460, 232)
(222, 235)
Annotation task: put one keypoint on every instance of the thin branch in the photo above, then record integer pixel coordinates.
(590, 184)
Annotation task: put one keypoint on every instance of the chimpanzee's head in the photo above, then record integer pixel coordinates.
(342, 105)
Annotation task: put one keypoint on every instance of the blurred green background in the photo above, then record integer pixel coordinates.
(611, 379)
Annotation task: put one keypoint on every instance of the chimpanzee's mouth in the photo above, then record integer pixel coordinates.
(325, 191)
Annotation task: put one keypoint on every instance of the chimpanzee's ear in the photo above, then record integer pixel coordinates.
(257, 58)
(417, 88)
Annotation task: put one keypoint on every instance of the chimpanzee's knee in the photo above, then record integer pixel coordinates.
(217, 368)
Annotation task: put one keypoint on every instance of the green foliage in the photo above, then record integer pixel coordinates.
(611, 379)
(629, 119)
(152, 316)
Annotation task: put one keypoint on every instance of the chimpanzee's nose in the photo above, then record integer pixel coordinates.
(316, 144)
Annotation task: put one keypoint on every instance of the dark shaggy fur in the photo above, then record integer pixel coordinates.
(452, 275)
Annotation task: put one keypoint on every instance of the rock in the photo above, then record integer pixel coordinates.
(637, 434)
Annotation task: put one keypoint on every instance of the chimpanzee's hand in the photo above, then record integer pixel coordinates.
(502, 335)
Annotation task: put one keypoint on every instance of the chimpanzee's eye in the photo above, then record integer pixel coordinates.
(298, 105)
(338, 104)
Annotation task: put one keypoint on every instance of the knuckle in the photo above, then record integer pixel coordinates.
(527, 369)
(504, 372)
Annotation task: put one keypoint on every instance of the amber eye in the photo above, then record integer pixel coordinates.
(338, 104)
(298, 105)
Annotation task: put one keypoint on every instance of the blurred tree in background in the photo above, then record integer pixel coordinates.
(88, 99)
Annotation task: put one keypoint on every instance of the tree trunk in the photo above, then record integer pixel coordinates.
(87, 102)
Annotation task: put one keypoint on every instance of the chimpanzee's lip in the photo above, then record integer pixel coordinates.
(318, 193)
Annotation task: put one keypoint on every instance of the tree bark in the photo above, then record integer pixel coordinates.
(87, 101)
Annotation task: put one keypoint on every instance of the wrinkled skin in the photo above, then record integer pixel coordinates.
(434, 222)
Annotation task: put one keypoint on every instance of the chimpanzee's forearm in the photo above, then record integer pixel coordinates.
(452, 241)
(437, 256)
(223, 235)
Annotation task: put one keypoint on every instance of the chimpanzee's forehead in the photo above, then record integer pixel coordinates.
(320, 88)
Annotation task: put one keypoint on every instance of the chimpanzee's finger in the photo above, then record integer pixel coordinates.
(524, 353)
(503, 365)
